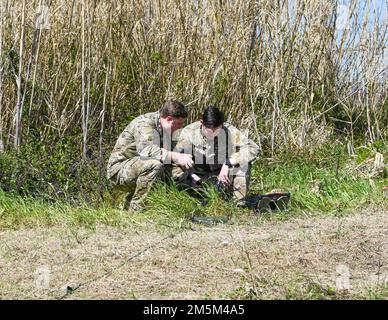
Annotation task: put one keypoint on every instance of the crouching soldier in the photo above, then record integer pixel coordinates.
(218, 149)
(143, 151)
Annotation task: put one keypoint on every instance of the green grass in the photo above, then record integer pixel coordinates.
(318, 184)
(17, 211)
(168, 201)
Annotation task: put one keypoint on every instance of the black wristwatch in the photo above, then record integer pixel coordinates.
(227, 162)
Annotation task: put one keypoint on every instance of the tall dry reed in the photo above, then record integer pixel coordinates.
(293, 72)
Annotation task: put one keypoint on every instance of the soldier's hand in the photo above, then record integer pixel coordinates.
(183, 160)
(223, 177)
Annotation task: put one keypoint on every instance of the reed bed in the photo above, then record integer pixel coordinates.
(295, 73)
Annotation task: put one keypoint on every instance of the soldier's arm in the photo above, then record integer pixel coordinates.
(182, 154)
(244, 149)
(148, 147)
(184, 144)
(148, 143)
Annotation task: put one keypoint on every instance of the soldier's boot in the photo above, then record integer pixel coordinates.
(127, 203)
(121, 196)
(151, 170)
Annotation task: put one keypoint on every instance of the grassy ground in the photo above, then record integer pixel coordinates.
(300, 258)
(327, 182)
(337, 218)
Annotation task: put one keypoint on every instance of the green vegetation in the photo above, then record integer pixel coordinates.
(313, 95)
(17, 211)
(319, 183)
(58, 127)
(118, 59)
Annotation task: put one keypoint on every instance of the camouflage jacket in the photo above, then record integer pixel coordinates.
(143, 137)
(231, 144)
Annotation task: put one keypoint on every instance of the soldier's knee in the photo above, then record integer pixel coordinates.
(154, 166)
(157, 165)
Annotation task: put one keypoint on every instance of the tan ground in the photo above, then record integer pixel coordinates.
(299, 258)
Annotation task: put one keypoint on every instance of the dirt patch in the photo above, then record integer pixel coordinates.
(315, 257)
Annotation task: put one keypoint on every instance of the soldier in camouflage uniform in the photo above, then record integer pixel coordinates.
(143, 151)
(218, 148)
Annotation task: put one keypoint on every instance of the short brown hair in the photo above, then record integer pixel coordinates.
(174, 109)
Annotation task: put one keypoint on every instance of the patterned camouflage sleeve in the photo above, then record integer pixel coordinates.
(244, 149)
(184, 144)
(148, 143)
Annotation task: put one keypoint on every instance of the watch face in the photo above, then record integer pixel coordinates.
(227, 162)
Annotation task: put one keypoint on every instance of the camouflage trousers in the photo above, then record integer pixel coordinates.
(238, 177)
(136, 178)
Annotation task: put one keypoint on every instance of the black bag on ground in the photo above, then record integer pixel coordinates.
(269, 202)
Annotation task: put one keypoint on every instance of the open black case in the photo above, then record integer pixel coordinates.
(269, 202)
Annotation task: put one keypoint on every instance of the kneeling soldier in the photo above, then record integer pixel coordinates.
(143, 151)
(218, 148)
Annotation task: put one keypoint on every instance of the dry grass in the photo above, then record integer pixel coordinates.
(293, 259)
(287, 65)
